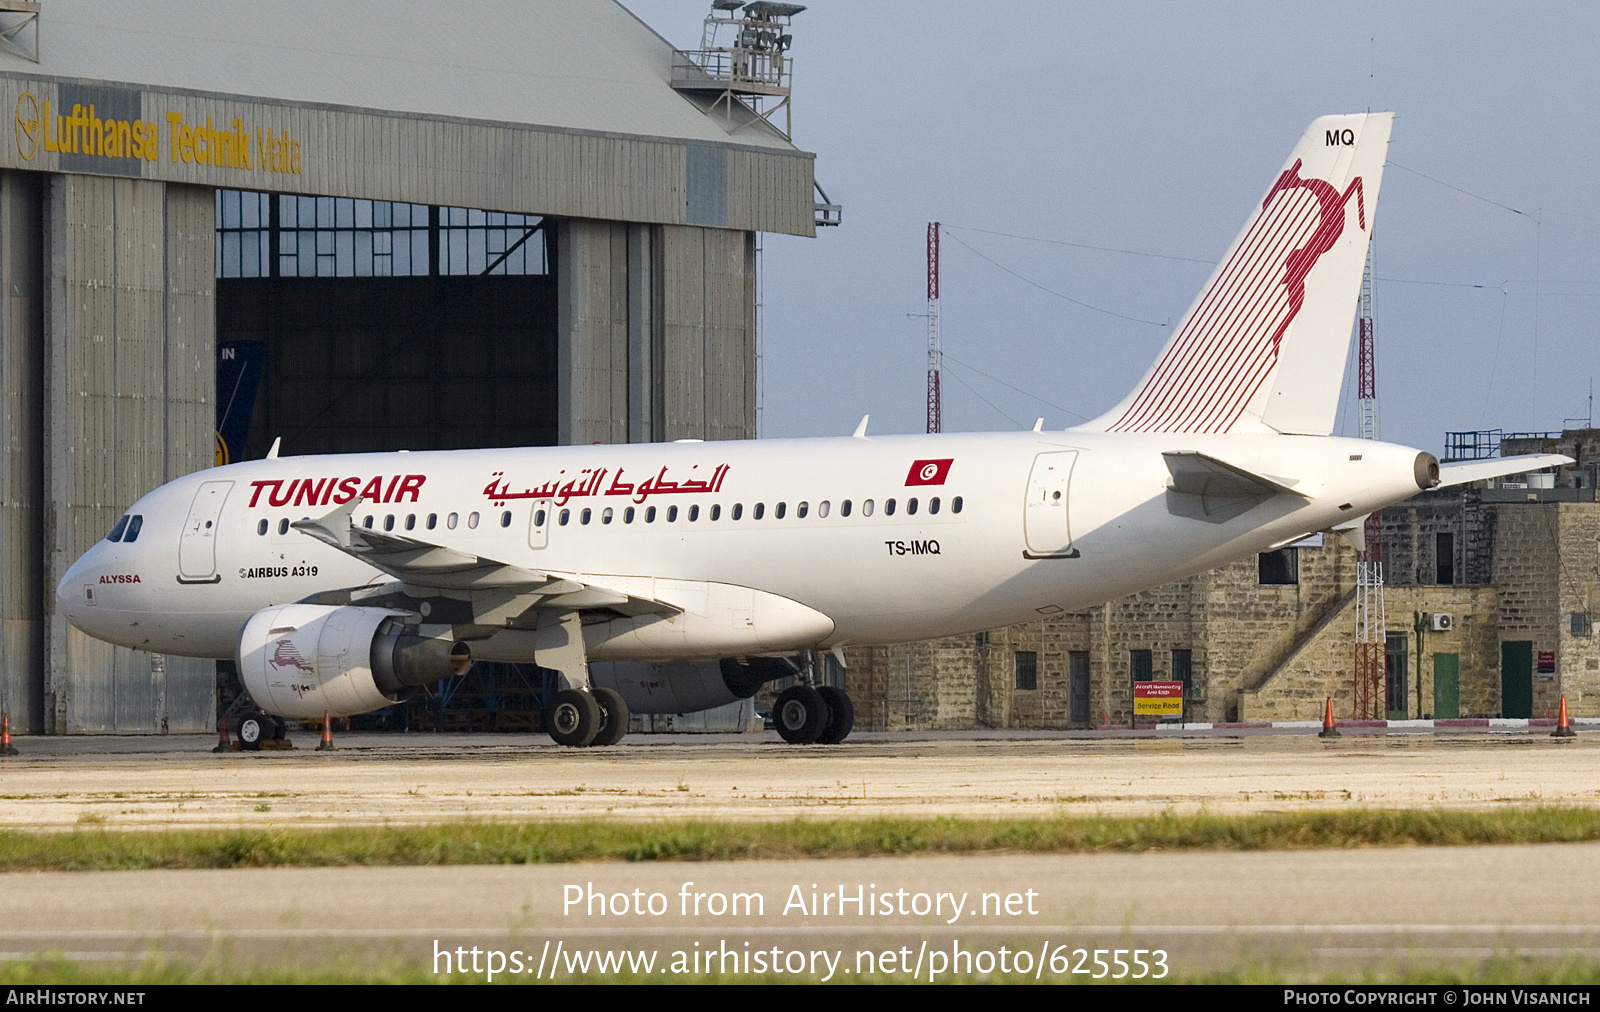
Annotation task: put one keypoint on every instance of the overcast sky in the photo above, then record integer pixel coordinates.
(1152, 128)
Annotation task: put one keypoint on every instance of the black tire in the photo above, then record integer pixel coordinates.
(841, 716)
(280, 728)
(613, 716)
(251, 729)
(800, 715)
(572, 718)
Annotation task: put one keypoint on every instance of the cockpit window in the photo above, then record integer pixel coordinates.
(134, 523)
(116, 531)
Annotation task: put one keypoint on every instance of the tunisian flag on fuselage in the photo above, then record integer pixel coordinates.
(929, 472)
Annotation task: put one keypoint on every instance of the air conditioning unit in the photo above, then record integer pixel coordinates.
(1441, 622)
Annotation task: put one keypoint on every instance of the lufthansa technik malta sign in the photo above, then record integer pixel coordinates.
(108, 132)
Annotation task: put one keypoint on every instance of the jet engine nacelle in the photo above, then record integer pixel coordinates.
(299, 660)
(685, 686)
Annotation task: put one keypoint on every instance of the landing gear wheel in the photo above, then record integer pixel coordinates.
(251, 730)
(280, 728)
(800, 715)
(842, 715)
(572, 718)
(613, 716)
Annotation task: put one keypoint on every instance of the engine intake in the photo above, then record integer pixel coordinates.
(299, 660)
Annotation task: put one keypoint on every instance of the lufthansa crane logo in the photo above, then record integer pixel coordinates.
(27, 126)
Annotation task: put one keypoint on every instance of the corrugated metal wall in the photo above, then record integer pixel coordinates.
(22, 468)
(430, 159)
(129, 387)
(693, 290)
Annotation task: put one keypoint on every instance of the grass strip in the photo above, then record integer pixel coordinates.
(476, 842)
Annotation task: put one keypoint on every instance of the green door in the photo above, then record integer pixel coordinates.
(1446, 686)
(1516, 679)
(1395, 655)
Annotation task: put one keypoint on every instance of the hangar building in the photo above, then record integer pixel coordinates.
(427, 226)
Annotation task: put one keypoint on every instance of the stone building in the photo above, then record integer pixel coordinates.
(1511, 572)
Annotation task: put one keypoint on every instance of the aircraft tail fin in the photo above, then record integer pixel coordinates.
(1264, 345)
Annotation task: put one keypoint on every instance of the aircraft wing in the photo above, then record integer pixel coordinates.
(1462, 471)
(424, 566)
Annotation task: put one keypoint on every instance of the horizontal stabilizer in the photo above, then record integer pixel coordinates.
(1204, 475)
(1462, 471)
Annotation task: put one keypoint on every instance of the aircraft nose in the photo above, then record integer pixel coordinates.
(74, 594)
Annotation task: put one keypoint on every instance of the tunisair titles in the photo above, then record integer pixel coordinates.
(588, 482)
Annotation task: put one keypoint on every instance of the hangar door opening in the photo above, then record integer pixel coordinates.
(348, 325)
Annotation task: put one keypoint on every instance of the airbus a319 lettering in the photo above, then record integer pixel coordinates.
(669, 578)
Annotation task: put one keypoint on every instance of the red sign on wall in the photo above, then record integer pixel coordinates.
(1158, 698)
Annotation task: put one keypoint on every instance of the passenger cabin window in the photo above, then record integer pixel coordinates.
(261, 529)
(955, 505)
(738, 510)
(800, 511)
(433, 521)
(388, 522)
(844, 508)
(565, 516)
(283, 525)
(933, 505)
(472, 520)
(606, 515)
(694, 513)
(822, 508)
(716, 511)
(411, 521)
(672, 514)
(911, 507)
(451, 521)
(627, 515)
(505, 519)
(760, 509)
(649, 514)
(866, 508)
(586, 515)
(781, 509)
(539, 517)
(888, 507)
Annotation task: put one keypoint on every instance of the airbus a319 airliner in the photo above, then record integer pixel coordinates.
(673, 577)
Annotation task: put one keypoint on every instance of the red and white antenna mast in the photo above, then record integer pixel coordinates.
(1371, 675)
(935, 355)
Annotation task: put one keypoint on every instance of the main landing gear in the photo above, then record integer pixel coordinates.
(803, 715)
(581, 717)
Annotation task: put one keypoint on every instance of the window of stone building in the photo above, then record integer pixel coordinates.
(1444, 558)
(981, 639)
(1141, 664)
(1183, 668)
(1027, 669)
(1278, 569)
(1580, 623)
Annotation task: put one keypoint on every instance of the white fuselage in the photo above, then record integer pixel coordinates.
(836, 575)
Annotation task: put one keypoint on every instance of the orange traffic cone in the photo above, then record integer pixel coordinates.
(327, 733)
(223, 745)
(1563, 726)
(6, 748)
(1328, 728)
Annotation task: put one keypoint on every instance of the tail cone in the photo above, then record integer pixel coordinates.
(1328, 728)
